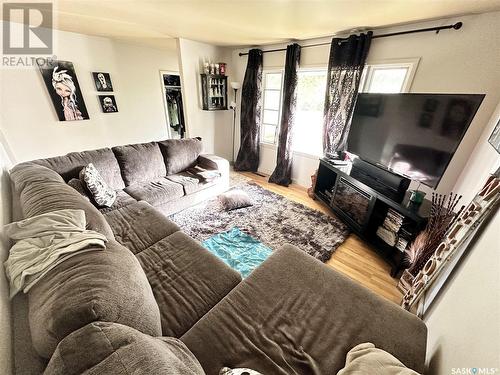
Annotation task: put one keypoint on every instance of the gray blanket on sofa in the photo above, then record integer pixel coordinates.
(44, 241)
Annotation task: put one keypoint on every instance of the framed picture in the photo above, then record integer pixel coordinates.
(64, 90)
(458, 114)
(426, 120)
(430, 105)
(495, 137)
(370, 106)
(102, 81)
(108, 103)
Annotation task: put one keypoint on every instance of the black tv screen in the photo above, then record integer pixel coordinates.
(414, 135)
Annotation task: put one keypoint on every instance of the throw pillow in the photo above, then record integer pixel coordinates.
(78, 185)
(234, 199)
(237, 371)
(111, 348)
(367, 359)
(103, 195)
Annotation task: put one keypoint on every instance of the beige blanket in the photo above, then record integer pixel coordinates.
(42, 242)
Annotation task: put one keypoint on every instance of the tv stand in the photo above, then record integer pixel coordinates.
(365, 209)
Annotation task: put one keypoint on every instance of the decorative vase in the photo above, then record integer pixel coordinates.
(310, 191)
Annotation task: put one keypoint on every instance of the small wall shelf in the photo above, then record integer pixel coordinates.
(214, 92)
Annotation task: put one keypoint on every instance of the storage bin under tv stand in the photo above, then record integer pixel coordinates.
(364, 209)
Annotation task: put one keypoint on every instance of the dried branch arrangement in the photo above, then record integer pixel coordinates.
(423, 287)
(441, 218)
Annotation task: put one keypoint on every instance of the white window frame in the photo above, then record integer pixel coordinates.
(411, 64)
(276, 131)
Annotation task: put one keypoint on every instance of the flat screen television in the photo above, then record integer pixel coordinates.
(414, 135)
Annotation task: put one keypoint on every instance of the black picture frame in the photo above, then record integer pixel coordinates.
(458, 113)
(108, 103)
(64, 90)
(371, 106)
(102, 81)
(494, 138)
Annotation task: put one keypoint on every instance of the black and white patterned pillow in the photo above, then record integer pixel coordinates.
(103, 195)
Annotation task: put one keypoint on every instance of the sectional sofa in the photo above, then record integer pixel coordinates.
(292, 315)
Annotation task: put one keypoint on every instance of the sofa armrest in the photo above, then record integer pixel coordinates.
(214, 162)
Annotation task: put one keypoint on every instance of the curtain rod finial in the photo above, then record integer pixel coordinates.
(458, 25)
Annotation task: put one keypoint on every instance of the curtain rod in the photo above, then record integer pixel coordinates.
(455, 26)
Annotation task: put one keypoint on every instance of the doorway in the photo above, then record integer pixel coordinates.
(172, 101)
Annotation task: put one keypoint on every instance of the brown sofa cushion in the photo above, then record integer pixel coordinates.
(110, 348)
(80, 187)
(189, 182)
(297, 315)
(140, 162)
(367, 359)
(187, 281)
(180, 154)
(122, 200)
(41, 190)
(107, 285)
(156, 192)
(138, 226)
(70, 165)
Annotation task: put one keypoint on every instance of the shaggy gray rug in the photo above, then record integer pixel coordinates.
(273, 219)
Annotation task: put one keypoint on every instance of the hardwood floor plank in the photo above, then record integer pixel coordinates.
(354, 258)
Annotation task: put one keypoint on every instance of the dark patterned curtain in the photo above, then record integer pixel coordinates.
(282, 174)
(347, 60)
(251, 93)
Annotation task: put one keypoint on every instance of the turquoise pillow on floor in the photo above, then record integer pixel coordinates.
(239, 250)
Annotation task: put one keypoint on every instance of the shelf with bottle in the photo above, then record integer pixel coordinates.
(214, 92)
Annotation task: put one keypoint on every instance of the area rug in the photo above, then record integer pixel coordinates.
(238, 250)
(273, 220)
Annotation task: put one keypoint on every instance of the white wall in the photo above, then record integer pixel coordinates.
(464, 322)
(464, 61)
(214, 127)
(5, 217)
(30, 122)
(483, 158)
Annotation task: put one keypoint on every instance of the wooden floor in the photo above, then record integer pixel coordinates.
(354, 257)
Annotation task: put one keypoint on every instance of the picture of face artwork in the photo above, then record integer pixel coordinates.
(108, 103)
(64, 90)
(102, 81)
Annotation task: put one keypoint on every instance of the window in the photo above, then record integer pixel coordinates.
(388, 77)
(308, 125)
(271, 109)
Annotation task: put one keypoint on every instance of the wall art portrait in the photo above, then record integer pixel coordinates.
(108, 103)
(495, 137)
(102, 81)
(458, 115)
(64, 90)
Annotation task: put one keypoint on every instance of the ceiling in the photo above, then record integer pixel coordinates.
(246, 22)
